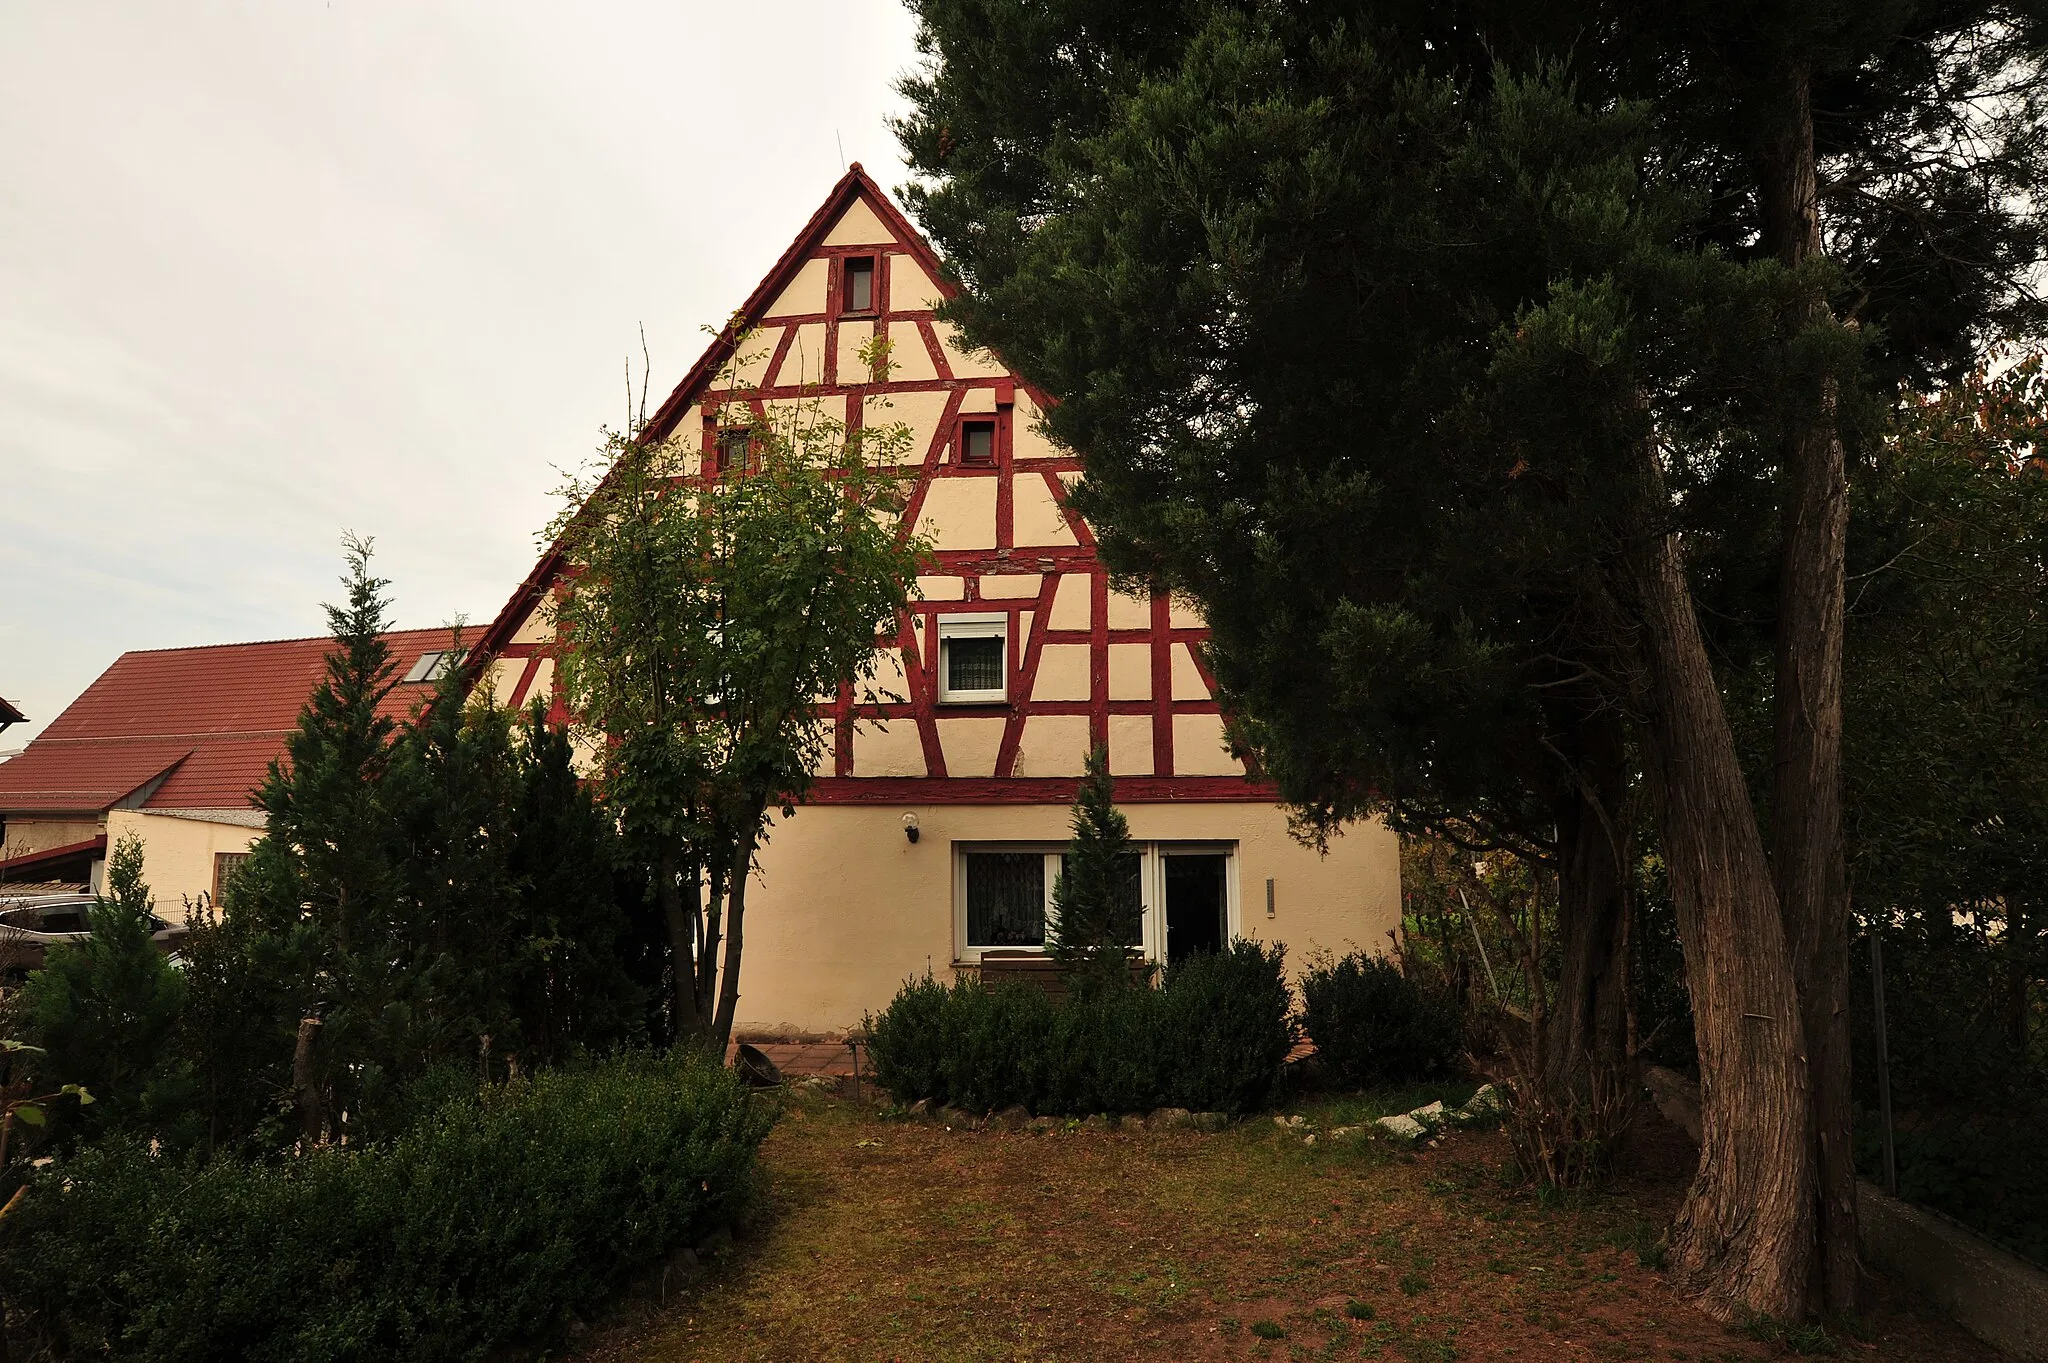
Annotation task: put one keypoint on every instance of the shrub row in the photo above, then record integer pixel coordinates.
(492, 1219)
(1373, 1025)
(1212, 1038)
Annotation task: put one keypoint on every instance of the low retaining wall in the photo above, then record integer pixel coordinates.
(1996, 1296)
(2001, 1299)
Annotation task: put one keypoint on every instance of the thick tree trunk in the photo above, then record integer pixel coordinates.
(736, 909)
(306, 1082)
(1743, 1241)
(685, 1021)
(1807, 854)
(1589, 1016)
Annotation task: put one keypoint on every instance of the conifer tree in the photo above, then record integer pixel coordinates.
(105, 1010)
(1096, 900)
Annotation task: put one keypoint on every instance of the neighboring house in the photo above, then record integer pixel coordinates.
(10, 716)
(170, 744)
(932, 839)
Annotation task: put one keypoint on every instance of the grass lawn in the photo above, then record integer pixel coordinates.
(885, 1239)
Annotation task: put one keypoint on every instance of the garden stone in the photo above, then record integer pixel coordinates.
(1402, 1128)
(718, 1242)
(1433, 1112)
(921, 1110)
(1211, 1121)
(1344, 1133)
(958, 1120)
(1485, 1103)
(1045, 1124)
(682, 1265)
(1168, 1118)
(1100, 1121)
(1015, 1117)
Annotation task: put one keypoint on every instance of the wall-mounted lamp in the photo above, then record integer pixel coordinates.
(910, 827)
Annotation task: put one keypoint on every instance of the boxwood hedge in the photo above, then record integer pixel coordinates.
(492, 1219)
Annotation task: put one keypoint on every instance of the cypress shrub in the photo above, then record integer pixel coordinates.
(492, 1219)
(1212, 1038)
(1373, 1025)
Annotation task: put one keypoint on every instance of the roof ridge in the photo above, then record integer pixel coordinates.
(293, 639)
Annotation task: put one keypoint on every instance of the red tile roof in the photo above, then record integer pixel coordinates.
(212, 718)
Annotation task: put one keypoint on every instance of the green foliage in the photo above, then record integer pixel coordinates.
(440, 890)
(493, 1219)
(709, 617)
(1212, 1038)
(105, 1011)
(1095, 900)
(1373, 1025)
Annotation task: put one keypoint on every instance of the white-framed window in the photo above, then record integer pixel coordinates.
(1003, 897)
(431, 667)
(974, 666)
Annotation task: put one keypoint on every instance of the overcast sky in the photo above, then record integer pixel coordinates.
(274, 269)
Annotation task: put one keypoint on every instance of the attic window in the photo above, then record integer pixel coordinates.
(733, 447)
(859, 291)
(978, 442)
(431, 667)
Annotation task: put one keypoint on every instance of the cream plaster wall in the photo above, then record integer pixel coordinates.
(960, 513)
(940, 588)
(537, 628)
(970, 745)
(910, 287)
(177, 854)
(805, 295)
(859, 226)
(1036, 517)
(1070, 603)
(1008, 586)
(1130, 745)
(1198, 747)
(1062, 672)
(887, 748)
(1130, 673)
(909, 361)
(844, 908)
(751, 365)
(804, 362)
(967, 363)
(1187, 679)
(1129, 612)
(1052, 745)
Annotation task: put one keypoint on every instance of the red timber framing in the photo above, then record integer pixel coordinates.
(1113, 704)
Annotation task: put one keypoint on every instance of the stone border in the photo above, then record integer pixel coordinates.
(1995, 1295)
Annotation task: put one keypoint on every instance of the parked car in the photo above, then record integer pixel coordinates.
(30, 926)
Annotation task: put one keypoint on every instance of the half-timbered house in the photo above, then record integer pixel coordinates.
(932, 839)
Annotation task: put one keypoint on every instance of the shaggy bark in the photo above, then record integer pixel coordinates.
(1806, 796)
(1743, 1241)
(1589, 1020)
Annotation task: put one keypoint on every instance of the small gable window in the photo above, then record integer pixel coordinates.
(972, 667)
(431, 667)
(732, 448)
(978, 442)
(859, 291)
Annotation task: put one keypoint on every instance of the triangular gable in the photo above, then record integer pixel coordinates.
(1083, 664)
(856, 208)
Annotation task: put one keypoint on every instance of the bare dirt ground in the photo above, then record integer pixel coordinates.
(884, 1239)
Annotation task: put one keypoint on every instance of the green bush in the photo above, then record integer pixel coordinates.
(492, 1219)
(1212, 1038)
(1373, 1025)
